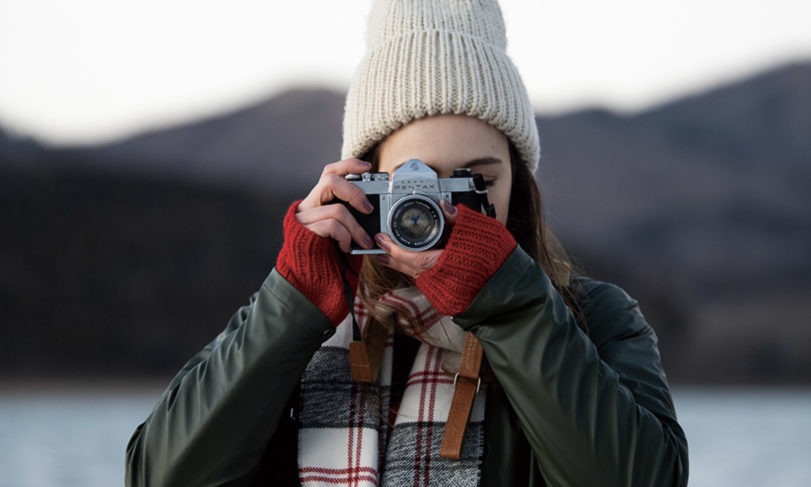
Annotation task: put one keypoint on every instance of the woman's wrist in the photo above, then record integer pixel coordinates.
(476, 248)
(310, 263)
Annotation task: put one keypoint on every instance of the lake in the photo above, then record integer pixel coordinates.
(76, 437)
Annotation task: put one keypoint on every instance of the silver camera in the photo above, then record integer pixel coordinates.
(407, 204)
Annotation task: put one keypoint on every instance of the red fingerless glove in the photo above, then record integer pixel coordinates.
(311, 264)
(476, 248)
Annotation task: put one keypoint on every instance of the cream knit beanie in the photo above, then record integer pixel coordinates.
(430, 57)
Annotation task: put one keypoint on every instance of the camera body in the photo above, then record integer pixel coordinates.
(407, 204)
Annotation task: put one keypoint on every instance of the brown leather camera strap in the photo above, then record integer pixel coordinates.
(465, 385)
(366, 356)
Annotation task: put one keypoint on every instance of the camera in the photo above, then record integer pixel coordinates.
(407, 204)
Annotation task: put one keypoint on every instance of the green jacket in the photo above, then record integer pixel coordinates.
(572, 409)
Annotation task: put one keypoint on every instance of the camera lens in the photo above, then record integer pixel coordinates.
(416, 223)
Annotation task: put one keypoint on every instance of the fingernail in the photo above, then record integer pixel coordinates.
(368, 206)
(381, 241)
(367, 241)
(451, 208)
(383, 259)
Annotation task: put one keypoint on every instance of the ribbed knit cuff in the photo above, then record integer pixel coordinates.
(310, 263)
(477, 247)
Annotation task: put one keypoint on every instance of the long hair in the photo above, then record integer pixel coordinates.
(526, 223)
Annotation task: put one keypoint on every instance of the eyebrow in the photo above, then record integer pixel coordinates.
(483, 161)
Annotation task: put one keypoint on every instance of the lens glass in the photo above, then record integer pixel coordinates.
(415, 223)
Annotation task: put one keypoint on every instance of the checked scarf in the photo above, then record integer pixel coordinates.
(348, 433)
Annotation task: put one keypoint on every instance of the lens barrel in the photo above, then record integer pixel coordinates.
(416, 222)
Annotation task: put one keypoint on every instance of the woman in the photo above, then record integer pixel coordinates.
(294, 391)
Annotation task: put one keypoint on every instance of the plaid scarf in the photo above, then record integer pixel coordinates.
(349, 435)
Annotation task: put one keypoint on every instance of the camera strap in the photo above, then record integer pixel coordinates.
(466, 385)
(365, 349)
(343, 264)
(487, 208)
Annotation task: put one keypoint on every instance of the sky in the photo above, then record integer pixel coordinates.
(87, 71)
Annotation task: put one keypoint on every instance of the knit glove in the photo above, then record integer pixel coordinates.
(312, 265)
(476, 248)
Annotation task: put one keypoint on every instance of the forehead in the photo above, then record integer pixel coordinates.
(443, 141)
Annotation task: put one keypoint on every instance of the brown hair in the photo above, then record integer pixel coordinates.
(525, 222)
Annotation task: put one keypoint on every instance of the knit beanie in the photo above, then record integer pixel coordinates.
(431, 57)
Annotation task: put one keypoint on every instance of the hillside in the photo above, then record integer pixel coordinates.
(282, 141)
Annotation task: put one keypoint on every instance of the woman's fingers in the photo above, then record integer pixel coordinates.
(332, 229)
(449, 211)
(338, 187)
(340, 214)
(413, 263)
(319, 213)
(405, 261)
(332, 185)
(346, 166)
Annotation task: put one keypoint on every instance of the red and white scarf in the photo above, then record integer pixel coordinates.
(346, 436)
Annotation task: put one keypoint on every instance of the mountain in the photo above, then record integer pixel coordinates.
(731, 164)
(18, 151)
(134, 253)
(284, 140)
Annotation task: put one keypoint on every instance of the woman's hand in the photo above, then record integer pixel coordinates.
(452, 277)
(408, 262)
(318, 214)
(309, 259)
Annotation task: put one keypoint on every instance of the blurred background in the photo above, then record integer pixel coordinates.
(149, 150)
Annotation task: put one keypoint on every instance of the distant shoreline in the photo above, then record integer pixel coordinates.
(81, 385)
(38, 386)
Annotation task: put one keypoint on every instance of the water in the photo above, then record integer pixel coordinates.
(76, 438)
(68, 438)
(747, 437)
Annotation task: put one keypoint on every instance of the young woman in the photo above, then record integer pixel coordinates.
(485, 362)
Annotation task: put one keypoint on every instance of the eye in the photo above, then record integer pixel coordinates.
(489, 182)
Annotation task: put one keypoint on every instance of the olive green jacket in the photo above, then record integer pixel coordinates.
(571, 410)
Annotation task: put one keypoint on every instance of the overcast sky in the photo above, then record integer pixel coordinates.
(93, 70)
